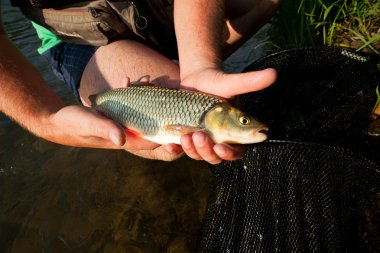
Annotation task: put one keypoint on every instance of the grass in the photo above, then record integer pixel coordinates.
(347, 23)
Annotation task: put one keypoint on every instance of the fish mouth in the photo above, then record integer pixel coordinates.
(263, 130)
(261, 134)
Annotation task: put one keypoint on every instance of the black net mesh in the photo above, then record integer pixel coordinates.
(309, 191)
(322, 94)
(290, 197)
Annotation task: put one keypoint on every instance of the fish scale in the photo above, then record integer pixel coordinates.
(163, 115)
(149, 108)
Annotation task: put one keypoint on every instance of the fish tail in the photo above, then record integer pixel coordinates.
(92, 99)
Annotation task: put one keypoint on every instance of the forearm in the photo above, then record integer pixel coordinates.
(24, 95)
(198, 25)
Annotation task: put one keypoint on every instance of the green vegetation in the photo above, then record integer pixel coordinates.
(347, 23)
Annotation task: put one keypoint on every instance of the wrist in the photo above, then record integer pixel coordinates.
(198, 35)
(46, 127)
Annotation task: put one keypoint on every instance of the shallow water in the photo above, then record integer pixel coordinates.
(60, 199)
(63, 199)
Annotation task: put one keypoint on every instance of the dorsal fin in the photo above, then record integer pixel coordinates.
(138, 84)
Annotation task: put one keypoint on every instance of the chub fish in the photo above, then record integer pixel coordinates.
(163, 115)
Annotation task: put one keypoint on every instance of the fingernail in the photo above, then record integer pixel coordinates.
(125, 82)
(220, 150)
(115, 137)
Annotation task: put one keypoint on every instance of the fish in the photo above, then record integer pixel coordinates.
(164, 115)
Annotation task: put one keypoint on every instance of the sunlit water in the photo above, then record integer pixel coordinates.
(63, 199)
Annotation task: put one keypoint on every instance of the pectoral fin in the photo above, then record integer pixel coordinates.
(133, 132)
(180, 129)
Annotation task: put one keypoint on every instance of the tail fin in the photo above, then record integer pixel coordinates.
(92, 99)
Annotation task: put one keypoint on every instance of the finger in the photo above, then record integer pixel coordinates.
(117, 134)
(235, 84)
(189, 148)
(159, 153)
(88, 125)
(173, 149)
(144, 79)
(230, 152)
(94, 124)
(100, 126)
(125, 82)
(204, 147)
(109, 130)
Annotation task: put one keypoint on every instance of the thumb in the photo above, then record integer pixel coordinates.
(116, 136)
(236, 84)
(108, 129)
(83, 126)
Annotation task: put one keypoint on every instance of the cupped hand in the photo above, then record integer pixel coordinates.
(213, 81)
(84, 127)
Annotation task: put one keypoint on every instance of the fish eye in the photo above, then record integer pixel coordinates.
(244, 120)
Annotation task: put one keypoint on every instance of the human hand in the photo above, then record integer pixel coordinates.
(213, 81)
(216, 82)
(84, 127)
(94, 130)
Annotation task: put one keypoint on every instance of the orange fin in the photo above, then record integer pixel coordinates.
(180, 129)
(134, 132)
